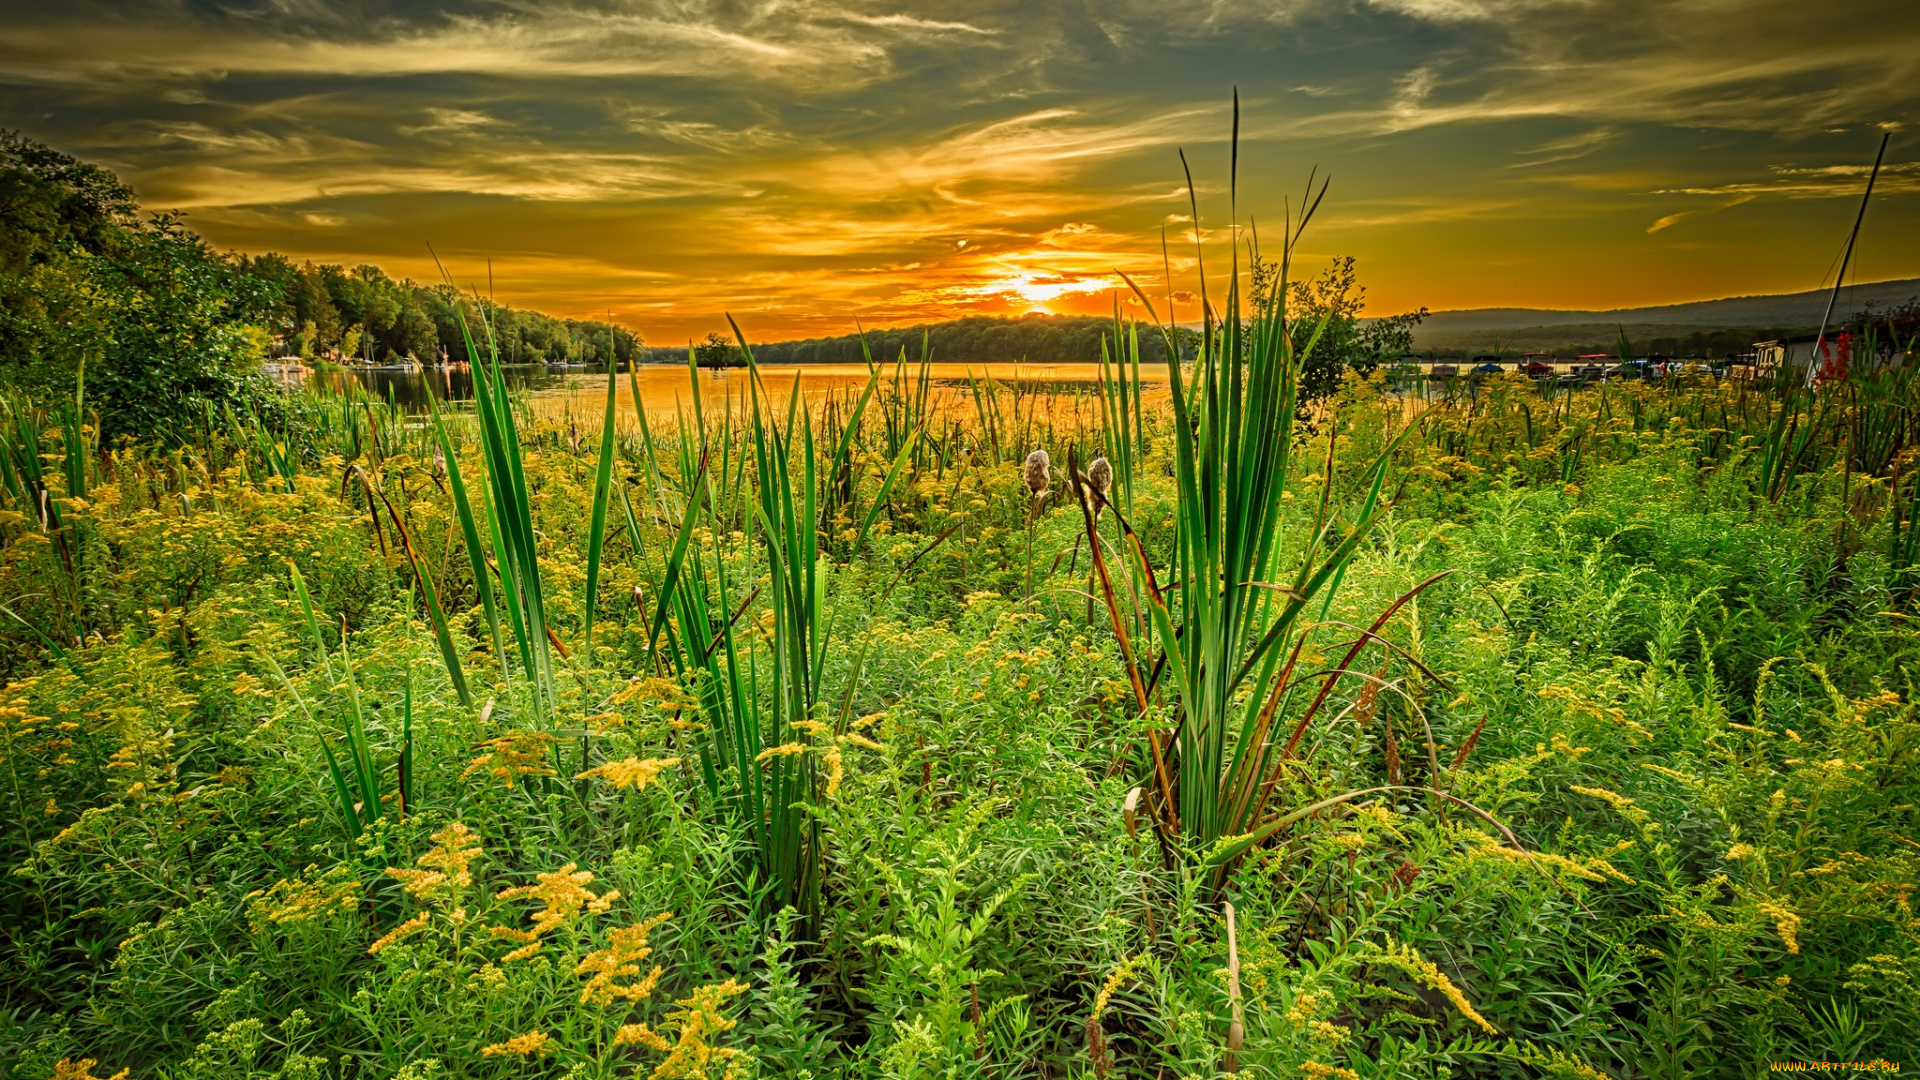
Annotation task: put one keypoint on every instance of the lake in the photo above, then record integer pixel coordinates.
(665, 390)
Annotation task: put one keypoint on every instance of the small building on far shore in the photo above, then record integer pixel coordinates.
(1793, 352)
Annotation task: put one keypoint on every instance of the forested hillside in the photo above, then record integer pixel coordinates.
(164, 326)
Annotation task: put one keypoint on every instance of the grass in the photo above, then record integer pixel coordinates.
(1526, 732)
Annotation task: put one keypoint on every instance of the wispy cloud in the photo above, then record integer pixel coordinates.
(1814, 182)
(806, 164)
(1675, 219)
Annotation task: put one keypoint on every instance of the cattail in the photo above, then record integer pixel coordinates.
(1037, 472)
(1100, 481)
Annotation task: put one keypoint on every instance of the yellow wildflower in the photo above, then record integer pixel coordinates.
(1403, 957)
(631, 773)
(68, 1069)
(404, 930)
(1685, 778)
(836, 768)
(626, 948)
(1784, 921)
(564, 893)
(303, 900)
(531, 1044)
(783, 750)
(698, 1019)
(1556, 1062)
(1115, 980)
(640, 1035)
(660, 691)
(1616, 800)
(513, 755)
(1561, 745)
(1326, 1072)
(455, 848)
(1328, 1032)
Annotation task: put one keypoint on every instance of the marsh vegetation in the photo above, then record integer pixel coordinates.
(1508, 734)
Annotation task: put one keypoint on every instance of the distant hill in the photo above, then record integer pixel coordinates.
(1036, 338)
(1524, 328)
(1715, 327)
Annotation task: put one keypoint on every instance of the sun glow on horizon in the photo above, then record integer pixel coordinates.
(1039, 288)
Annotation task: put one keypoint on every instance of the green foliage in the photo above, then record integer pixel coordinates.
(1696, 726)
(1329, 305)
(1529, 732)
(718, 352)
(170, 330)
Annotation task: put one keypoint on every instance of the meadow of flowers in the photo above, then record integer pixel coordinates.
(1493, 732)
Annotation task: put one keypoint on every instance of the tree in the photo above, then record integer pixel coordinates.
(414, 334)
(1348, 341)
(164, 325)
(174, 345)
(717, 352)
(57, 215)
(313, 307)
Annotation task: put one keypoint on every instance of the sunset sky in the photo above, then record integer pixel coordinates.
(806, 165)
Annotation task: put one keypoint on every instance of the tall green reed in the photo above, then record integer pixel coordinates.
(1223, 624)
(764, 698)
(508, 511)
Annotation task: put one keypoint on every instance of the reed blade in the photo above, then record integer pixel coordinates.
(313, 623)
(597, 530)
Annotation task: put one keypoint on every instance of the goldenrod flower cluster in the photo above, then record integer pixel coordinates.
(68, 1069)
(449, 870)
(626, 948)
(303, 900)
(1116, 978)
(631, 773)
(1329, 1032)
(531, 1044)
(512, 756)
(400, 933)
(831, 750)
(698, 1018)
(455, 847)
(564, 894)
(1399, 955)
(1785, 921)
(1590, 869)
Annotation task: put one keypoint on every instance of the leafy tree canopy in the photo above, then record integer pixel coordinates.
(165, 327)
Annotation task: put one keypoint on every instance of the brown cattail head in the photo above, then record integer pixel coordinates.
(1100, 480)
(1037, 472)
